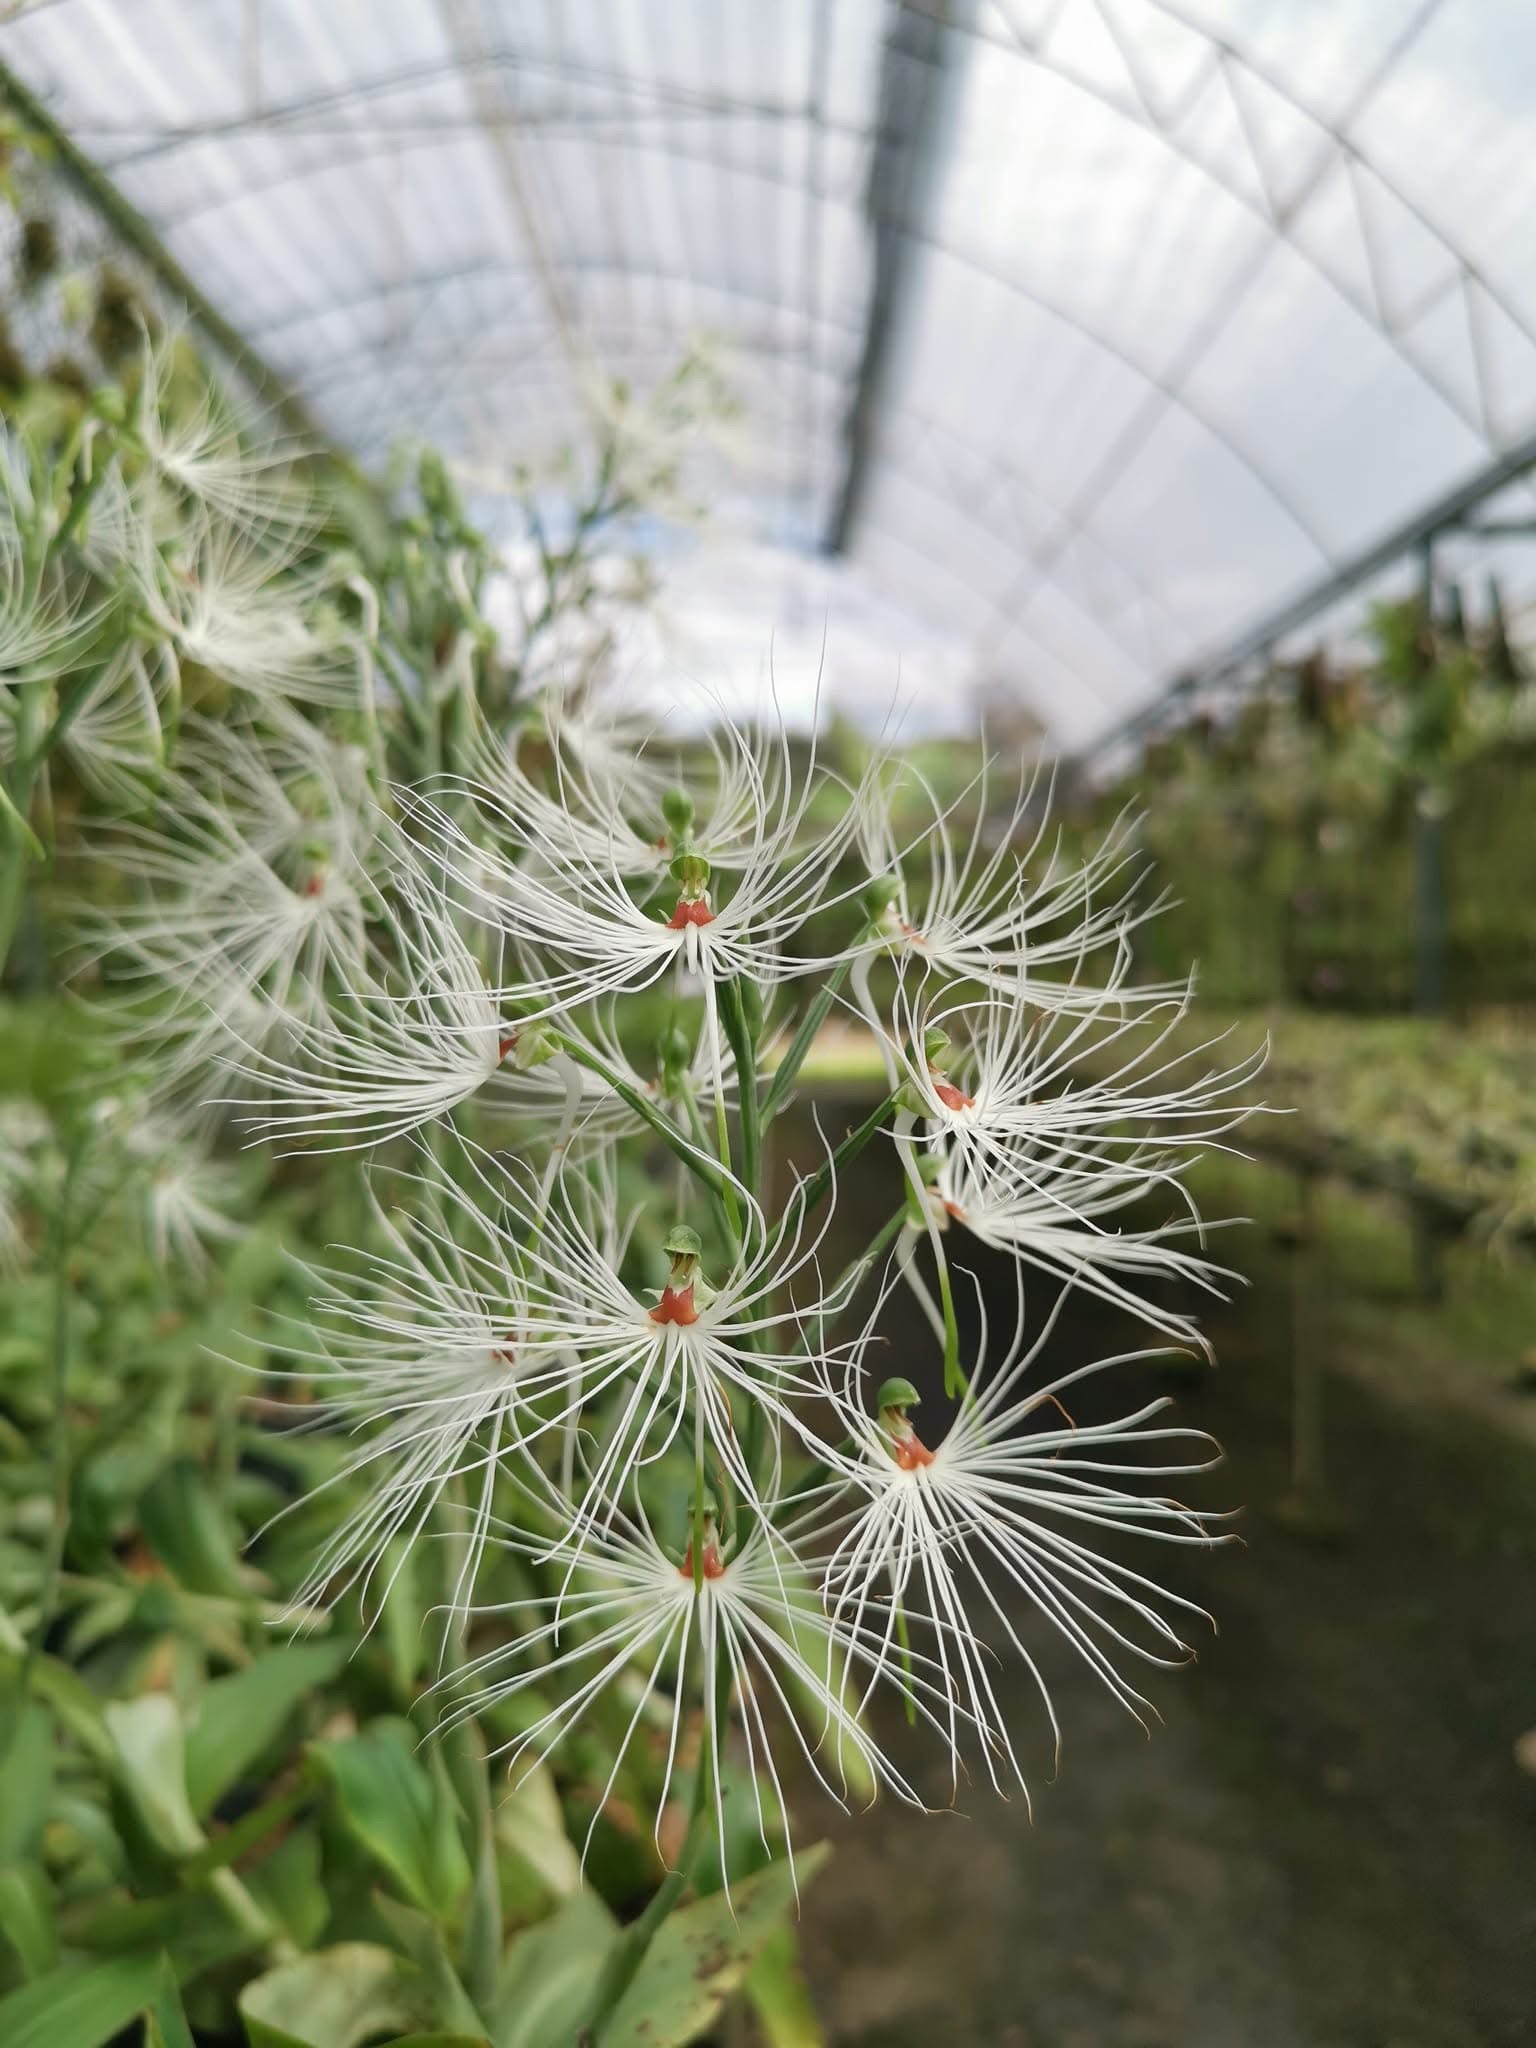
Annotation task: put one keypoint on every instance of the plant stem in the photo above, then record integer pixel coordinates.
(64, 1228)
(698, 1162)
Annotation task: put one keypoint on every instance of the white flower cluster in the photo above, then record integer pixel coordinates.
(573, 963)
(714, 1500)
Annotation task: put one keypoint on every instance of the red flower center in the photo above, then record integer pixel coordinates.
(676, 1306)
(696, 911)
(910, 1452)
(953, 1097)
(714, 1568)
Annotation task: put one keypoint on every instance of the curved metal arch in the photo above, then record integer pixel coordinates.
(996, 464)
(668, 102)
(467, 273)
(1344, 152)
(353, 362)
(672, 100)
(1155, 381)
(902, 541)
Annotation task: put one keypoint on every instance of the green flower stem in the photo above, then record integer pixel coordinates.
(726, 1205)
(59, 1451)
(955, 1382)
(469, 1772)
(816, 1187)
(734, 1017)
(696, 1160)
(788, 1069)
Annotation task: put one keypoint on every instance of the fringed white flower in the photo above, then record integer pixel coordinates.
(631, 811)
(189, 1199)
(997, 905)
(402, 1043)
(239, 604)
(734, 1626)
(581, 928)
(992, 1079)
(427, 1353)
(256, 878)
(707, 1362)
(215, 452)
(1052, 1215)
(116, 734)
(1015, 1495)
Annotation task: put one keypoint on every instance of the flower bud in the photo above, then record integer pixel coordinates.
(673, 1052)
(677, 809)
(878, 894)
(530, 1045)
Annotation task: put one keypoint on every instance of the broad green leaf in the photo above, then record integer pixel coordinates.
(76, 1706)
(187, 1530)
(289, 1886)
(418, 1935)
(702, 1955)
(529, 1821)
(194, 1928)
(26, 1776)
(400, 1809)
(238, 1716)
(79, 2008)
(338, 1998)
(549, 1974)
(151, 1764)
(440, 2041)
(26, 1917)
(165, 2024)
(778, 1994)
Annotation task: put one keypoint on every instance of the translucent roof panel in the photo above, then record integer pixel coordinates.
(1087, 332)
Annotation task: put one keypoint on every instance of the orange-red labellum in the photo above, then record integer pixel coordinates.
(910, 1452)
(687, 913)
(953, 1097)
(676, 1306)
(713, 1566)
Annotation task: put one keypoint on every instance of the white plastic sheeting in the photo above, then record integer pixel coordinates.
(1191, 301)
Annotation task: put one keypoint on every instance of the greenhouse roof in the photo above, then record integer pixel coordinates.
(1089, 332)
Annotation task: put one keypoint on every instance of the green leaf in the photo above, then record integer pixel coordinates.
(337, 1998)
(79, 2008)
(26, 1777)
(530, 1823)
(165, 2024)
(403, 1615)
(151, 1764)
(186, 1528)
(26, 1917)
(401, 1811)
(702, 1955)
(238, 1716)
(778, 1994)
(418, 1935)
(549, 1974)
(440, 2041)
(288, 1885)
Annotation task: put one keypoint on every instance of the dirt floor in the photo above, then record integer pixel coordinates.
(1328, 1843)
